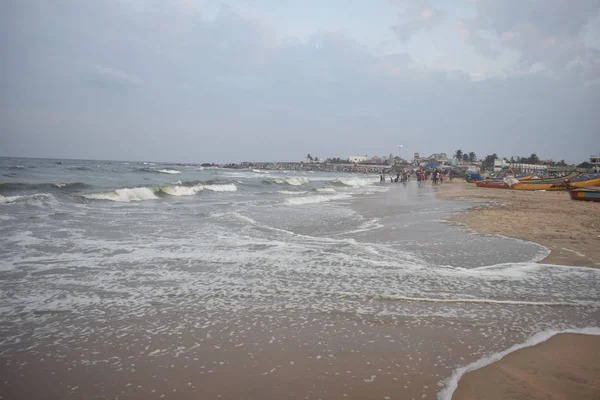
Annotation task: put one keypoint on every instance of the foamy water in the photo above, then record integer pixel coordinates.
(317, 271)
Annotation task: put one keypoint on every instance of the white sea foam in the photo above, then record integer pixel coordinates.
(168, 171)
(30, 199)
(326, 190)
(355, 182)
(182, 190)
(315, 199)
(228, 187)
(293, 181)
(289, 192)
(452, 383)
(124, 195)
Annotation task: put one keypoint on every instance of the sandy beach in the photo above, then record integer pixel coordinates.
(567, 366)
(570, 229)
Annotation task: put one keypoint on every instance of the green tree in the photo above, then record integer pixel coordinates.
(472, 157)
(309, 157)
(458, 155)
(465, 157)
(534, 159)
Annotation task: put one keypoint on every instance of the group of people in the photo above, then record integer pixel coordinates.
(436, 176)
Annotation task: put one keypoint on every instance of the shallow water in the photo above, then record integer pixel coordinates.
(154, 274)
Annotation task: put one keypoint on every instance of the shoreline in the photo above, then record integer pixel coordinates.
(552, 364)
(564, 363)
(570, 230)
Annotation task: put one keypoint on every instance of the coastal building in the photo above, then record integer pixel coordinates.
(499, 165)
(357, 159)
(595, 161)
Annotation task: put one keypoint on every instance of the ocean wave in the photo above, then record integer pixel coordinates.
(353, 182)
(326, 190)
(182, 190)
(19, 186)
(289, 192)
(293, 181)
(228, 187)
(16, 167)
(159, 171)
(124, 195)
(314, 199)
(452, 382)
(36, 199)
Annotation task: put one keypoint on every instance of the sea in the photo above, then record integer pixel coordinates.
(155, 280)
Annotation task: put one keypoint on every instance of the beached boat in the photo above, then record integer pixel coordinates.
(492, 184)
(548, 180)
(586, 194)
(566, 184)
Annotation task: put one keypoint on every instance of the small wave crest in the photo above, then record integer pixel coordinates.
(228, 187)
(182, 190)
(353, 182)
(124, 195)
(314, 199)
(326, 190)
(19, 186)
(290, 192)
(293, 181)
(168, 171)
(38, 199)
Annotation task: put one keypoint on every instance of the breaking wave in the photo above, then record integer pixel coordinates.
(168, 171)
(124, 195)
(294, 181)
(353, 182)
(182, 190)
(290, 192)
(228, 187)
(35, 199)
(326, 190)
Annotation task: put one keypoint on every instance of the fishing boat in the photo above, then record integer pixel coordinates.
(586, 194)
(492, 184)
(565, 184)
(549, 180)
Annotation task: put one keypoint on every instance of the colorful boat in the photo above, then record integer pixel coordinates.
(492, 184)
(566, 184)
(549, 180)
(586, 194)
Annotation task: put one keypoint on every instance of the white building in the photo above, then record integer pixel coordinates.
(503, 164)
(595, 161)
(357, 159)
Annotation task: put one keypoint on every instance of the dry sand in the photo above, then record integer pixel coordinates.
(570, 229)
(567, 366)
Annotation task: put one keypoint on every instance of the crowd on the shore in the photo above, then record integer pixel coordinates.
(436, 176)
(321, 167)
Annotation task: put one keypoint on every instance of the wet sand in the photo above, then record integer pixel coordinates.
(568, 365)
(570, 229)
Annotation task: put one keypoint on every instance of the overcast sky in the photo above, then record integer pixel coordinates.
(227, 81)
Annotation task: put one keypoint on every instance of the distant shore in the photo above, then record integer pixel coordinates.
(569, 229)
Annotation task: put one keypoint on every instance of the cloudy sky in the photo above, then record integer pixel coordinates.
(225, 81)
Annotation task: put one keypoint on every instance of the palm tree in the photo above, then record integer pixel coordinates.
(309, 157)
(458, 155)
(465, 157)
(472, 157)
(534, 159)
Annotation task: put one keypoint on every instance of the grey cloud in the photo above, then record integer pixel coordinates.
(543, 32)
(224, 89)
(415, 17)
